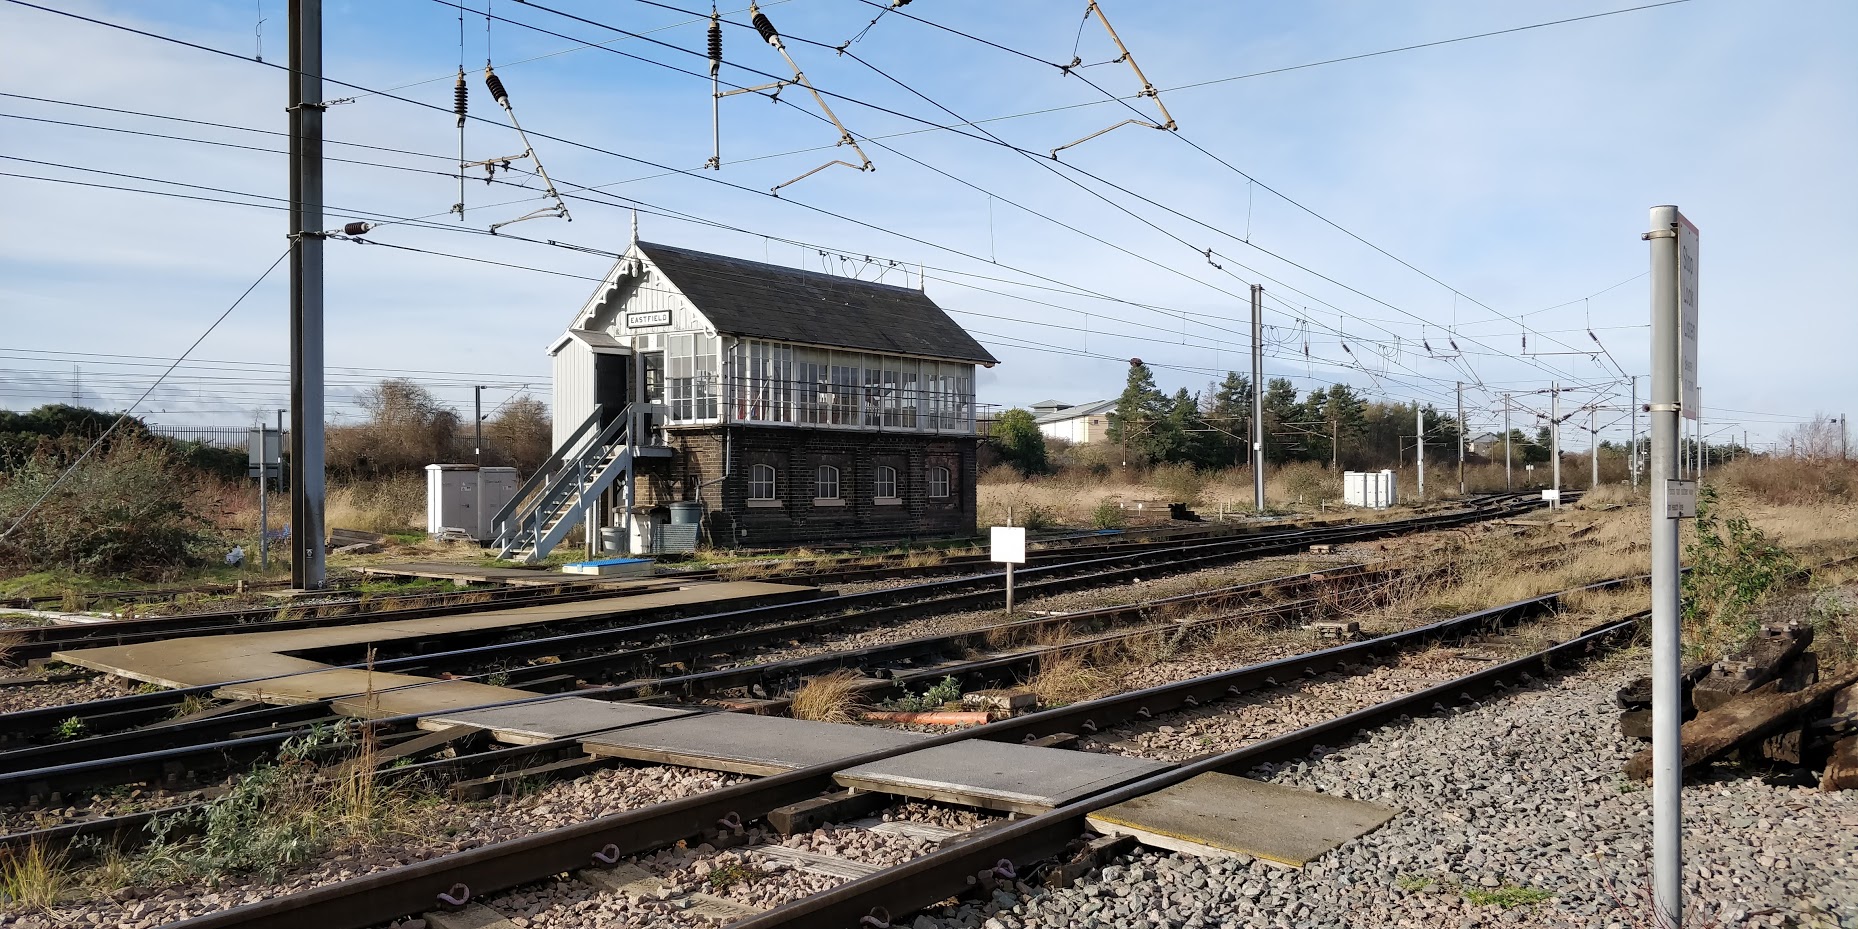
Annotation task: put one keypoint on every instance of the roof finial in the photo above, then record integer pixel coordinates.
(635, 225)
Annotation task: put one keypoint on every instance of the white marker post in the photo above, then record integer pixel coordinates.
(1674, 391)
(1009, 546)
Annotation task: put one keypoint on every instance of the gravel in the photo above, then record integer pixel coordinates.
(437, 832)
(1517, 796)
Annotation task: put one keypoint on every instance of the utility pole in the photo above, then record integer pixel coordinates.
(1593, 446)
(1667, 693)
(1506, 442)
(1419, 445)
(1554, 442)
(477, 419)
(1258, 397)
(307, 570)
(1461, 438)
(1335, 443)
(1632, 460)
(1841, 436)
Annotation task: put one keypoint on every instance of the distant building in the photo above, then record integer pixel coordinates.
(1485, 445)
(1081, 424)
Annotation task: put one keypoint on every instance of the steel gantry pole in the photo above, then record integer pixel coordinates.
(1419, 445)
(1667, 694)
(1258, 397)
(1554, 443)
(1506, 442)
(1593, 446)
(307, 570)
(1460, 438)
(1632, 460)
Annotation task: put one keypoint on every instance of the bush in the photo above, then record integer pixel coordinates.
(1307, 482)
(1107, 515)
(1000, 474)
(1733, 566)
(1180, 482)
(124, 511)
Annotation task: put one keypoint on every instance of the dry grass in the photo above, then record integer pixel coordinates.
(1071, 677)
(390, 506)
(32, 878)
(833, 697)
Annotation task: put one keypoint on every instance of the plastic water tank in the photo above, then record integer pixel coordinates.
(686, 513)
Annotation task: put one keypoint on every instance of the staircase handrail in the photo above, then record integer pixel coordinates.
(542, 473)
(576, 473)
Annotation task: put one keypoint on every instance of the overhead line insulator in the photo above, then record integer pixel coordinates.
(495, 83)
(716, 45)
(461, 98)
(766, 28)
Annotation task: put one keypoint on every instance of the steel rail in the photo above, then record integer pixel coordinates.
(177, 759)
(385, 895)
(156, 706)
(946, 872)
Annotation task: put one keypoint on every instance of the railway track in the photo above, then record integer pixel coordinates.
(381, 896)
(871, 607)
(109, 760)
(36, 643)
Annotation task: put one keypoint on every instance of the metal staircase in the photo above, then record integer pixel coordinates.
(569, 485)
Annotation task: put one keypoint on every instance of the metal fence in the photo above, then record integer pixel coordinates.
(222, 436)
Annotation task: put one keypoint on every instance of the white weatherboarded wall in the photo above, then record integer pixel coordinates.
(573, 364)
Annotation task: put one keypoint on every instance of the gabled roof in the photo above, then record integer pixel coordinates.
(1094, 408)
(750, 298)
(1051, 405)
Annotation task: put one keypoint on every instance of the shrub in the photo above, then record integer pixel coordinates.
(1732, 566)
(123, 511)
(1000, 474)
(1108, 515)
(1307, 482)
(1180, 482)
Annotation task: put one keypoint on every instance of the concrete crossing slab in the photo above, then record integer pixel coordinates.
(268, 666)
(742, 744)
(998, 775)
(546, 720)
(1219, 815)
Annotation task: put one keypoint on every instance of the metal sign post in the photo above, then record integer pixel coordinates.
(264, 460)
(1009, 546)
(1673, 391)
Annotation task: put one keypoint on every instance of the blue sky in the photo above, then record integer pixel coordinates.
(1515, 169)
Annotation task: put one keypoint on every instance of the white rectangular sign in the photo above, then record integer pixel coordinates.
(1009, 544)
(1552, 496)
(1680, 499)
(263, 451)
(1687, 242)
(648, 319)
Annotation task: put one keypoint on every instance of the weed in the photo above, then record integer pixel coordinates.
(72, 728)
(1107, 515)
(31, 878)
(832, 697)
(1412, 883)
(1506, 896)
(191, 704)
(733, 873)
(1733, 565)
(1065, 678)
(942, 694)
(498, 679)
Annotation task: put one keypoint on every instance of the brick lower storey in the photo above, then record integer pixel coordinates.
(716, 471)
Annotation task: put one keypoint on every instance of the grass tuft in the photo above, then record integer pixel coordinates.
(832, 697)
(31, 878)
(1506, 897)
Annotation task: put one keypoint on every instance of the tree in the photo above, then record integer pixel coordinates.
(1017, 437)
(1280, 407)
(519, 434)
(1138, 411)
(1226, 408)
(406, 430)
(1345, 412)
